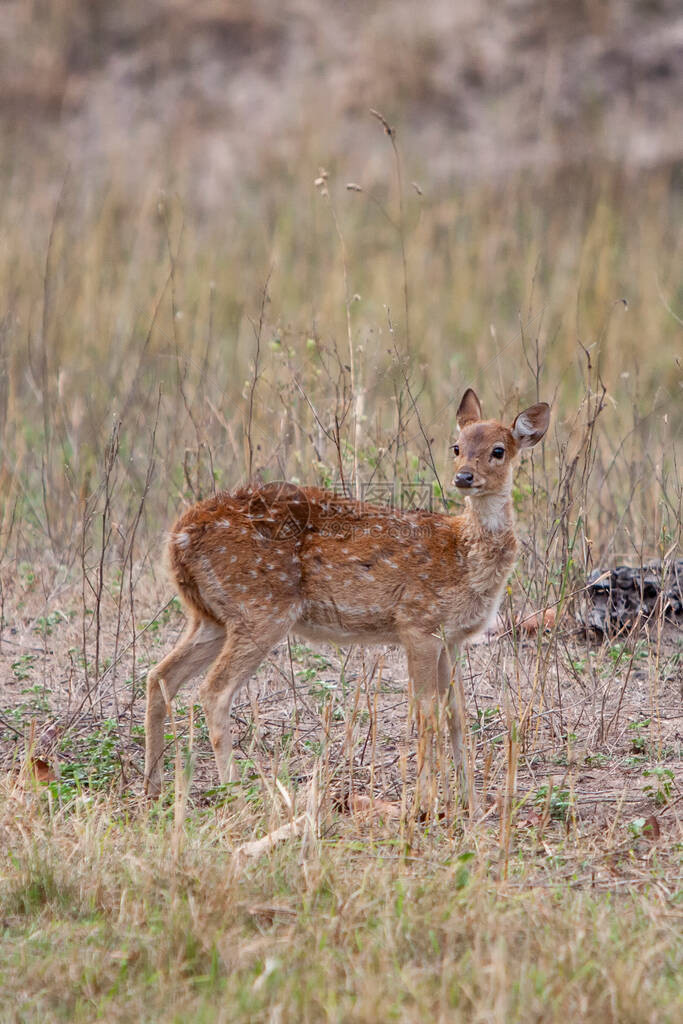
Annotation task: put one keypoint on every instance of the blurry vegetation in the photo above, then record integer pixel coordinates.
(185, 294)
(140, 318)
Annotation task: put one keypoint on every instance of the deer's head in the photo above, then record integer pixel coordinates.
(486, 450)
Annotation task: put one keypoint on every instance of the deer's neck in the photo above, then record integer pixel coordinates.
(491, 514)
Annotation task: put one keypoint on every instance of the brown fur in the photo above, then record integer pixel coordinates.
(263, 562)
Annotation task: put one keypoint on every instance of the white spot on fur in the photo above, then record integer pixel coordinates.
(182, 539)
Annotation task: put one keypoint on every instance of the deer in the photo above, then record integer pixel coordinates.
(265, 561)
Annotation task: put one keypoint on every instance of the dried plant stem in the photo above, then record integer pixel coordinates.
(258, 333)
(356, 396)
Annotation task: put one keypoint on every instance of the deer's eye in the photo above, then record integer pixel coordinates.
(498, 452)
(455, 449)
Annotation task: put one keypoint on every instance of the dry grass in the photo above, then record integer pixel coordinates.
(105, 917)
(135, 343)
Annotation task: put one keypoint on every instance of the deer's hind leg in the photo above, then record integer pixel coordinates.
(245, 647)
(199, 645)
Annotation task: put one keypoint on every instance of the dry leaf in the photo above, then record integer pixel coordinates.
(367, 807)
(537, 620)
(651, 828)
(532, 820)
(41, 770)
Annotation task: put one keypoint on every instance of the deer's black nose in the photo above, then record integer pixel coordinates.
(464, 478)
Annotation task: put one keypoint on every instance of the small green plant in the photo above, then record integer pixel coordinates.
(639, 827)
(174, 607)
(660, 789)
(22, 666)
(323, 691)
(558, 802)
(618, 651)
(27, 575)
(314, 747)
(638, 740)
(37, 700)
(300, 651)
(637, 761)
(519, 494)
(94, 765)
(484, 718)
(462, 872)
(635, 827)
(597, 760)
(223, 794)
(305, 675)
(201, 729)
(46, 624)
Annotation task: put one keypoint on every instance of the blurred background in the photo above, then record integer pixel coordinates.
(181, 253)
(212, 96)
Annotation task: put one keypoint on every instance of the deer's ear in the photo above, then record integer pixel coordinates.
(469, 410)
(530, 425)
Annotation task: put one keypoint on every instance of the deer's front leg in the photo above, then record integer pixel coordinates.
(424, 653)
(451, 689)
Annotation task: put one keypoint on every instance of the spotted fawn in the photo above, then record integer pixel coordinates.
(257, 564)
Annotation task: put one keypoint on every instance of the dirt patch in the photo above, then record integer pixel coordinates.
(596, 727)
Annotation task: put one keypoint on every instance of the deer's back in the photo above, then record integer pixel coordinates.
(348, 570)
